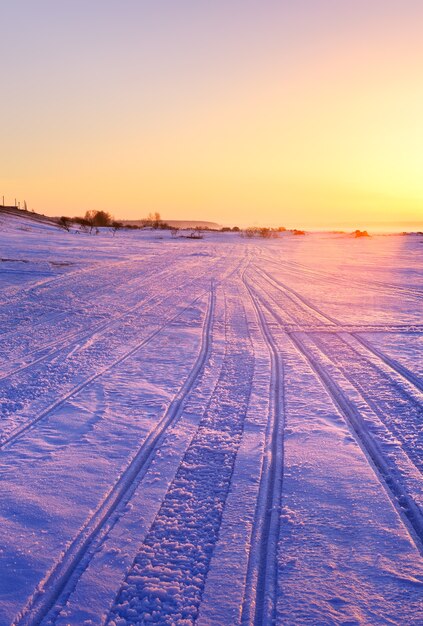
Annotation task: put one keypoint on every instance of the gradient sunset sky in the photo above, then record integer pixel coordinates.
(302, 113)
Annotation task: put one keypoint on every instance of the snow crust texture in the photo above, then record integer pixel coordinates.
(218, 432)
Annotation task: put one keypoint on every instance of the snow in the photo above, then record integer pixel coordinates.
(218, 431)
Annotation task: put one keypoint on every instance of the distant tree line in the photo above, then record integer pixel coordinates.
(93, 220)
(266, 233)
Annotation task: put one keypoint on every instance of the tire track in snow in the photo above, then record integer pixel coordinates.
(165, 584)
(298, 315)
(409, 407)
(406, 506)
(94, 268)
(54, 584)
(303, 301)
(403, 502)
(389, 400)
(77, 336)
(146, 278)
(259, 604)
(300, 269)
(394, 365)
(102, 285)
(125, 530)
(89, 357)
(15, 294)
(20, 430)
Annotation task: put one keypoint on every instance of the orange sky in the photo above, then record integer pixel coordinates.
(241, 112)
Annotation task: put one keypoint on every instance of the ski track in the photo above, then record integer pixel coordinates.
(209, 469)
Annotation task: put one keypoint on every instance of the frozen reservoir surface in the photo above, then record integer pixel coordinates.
(218, 431)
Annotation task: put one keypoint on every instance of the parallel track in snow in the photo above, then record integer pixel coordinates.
(56, 347)
(15, 434)
(303, 270)
(204, 477)
(308, 306)
(298, 314)
(392, 363)
(404, 502)
(53, 586)
(396, 490)
(398, 493)
(15, 295)
(149, 277)
(298, 297)
(391, 402)
(260, 590)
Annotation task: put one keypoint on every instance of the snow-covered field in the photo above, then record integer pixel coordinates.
(223, 431)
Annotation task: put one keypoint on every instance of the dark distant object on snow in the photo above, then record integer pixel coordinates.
(116, 226)
(196, 234)
(360, 233)
(228, 229)
(250, 232)
(298, 232)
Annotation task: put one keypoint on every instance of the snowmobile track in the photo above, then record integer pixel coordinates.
(53, 586)
(393, 486)
(20, 430)
(262, 571)
(204, 476)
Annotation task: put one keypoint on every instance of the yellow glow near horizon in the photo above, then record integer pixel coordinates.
(327, 131)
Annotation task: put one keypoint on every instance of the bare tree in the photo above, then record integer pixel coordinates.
(65, 223)
(153, 220)
(116, 226)
(98, 218)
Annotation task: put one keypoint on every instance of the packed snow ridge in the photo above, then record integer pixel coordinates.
(225, 431)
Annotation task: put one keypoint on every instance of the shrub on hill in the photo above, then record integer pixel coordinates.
(98, 218)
